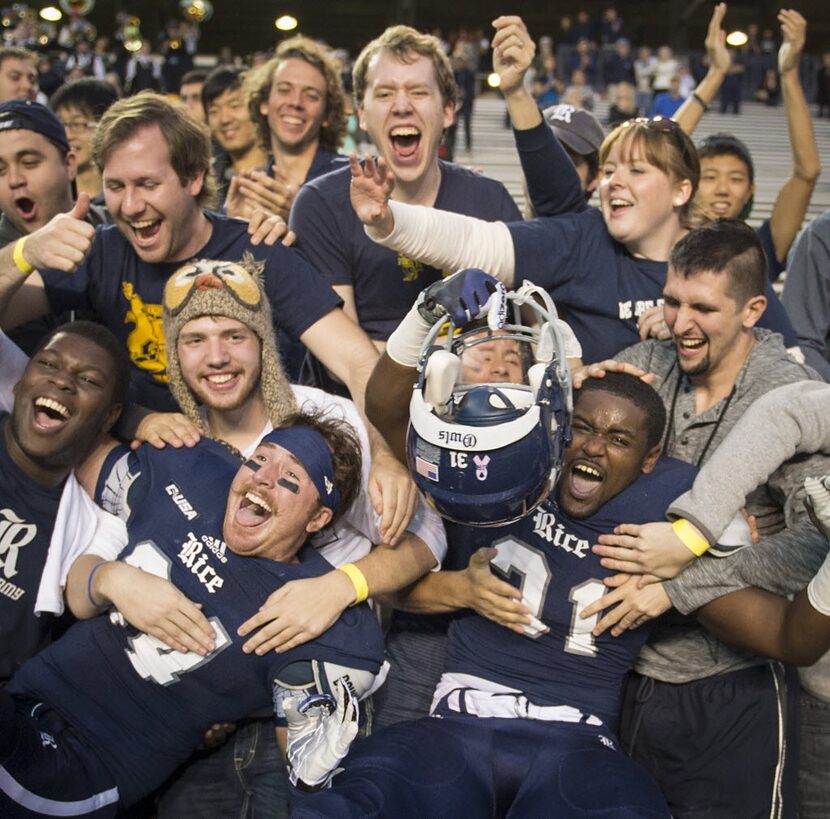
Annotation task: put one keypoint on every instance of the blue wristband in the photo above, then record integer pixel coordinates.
(89, 588)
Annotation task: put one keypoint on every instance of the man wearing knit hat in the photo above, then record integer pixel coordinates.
(225, 374)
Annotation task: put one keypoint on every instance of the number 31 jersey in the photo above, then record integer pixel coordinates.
(548, 556)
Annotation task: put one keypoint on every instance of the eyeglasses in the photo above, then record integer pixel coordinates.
(80, 125)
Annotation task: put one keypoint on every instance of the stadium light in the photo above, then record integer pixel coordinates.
(286, 22)
(51, 14)
(736, 38)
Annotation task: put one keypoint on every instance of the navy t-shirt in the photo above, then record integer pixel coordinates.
(548, 556)
(27, 518)
(599, 288)
(386, 283)
(142, 707)
(323, 161)
(125, 294)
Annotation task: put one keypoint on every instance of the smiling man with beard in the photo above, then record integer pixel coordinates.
(715, 366)
(717, 361)
(124, 709)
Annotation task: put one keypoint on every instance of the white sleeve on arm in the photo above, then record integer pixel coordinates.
(451, 241)
(786, 421)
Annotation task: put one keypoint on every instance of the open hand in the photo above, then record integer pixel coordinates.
(372, 185)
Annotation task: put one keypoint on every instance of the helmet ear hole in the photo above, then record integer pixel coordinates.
(440, 377)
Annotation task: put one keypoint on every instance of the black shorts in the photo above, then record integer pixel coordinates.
(721, 747)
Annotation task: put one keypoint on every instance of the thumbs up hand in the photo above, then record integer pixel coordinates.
(62, 243)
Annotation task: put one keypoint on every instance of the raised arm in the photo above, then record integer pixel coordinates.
(690, 113)
(464, 296)
(448, 241)
(553, 184)
(513, 53)
(794, 196)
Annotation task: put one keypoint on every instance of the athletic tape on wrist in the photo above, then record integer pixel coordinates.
(404, 345)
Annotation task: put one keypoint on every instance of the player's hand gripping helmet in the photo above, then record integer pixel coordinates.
(490, 413)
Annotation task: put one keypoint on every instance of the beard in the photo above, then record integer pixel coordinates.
(700, 368)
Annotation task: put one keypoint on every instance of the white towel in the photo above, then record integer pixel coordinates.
(12, 363)
(81, 527)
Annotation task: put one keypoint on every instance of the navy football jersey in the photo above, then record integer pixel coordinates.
(548, 555)
(27, 518)
(140, 705)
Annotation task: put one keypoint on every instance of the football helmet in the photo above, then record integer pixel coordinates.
(490, 414)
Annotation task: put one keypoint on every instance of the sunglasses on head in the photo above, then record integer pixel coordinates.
(657, 123)
(664, 125)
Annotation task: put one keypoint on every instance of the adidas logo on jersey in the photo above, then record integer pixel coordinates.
(181, 501)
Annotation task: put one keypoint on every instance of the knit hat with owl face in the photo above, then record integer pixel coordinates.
(231, 290)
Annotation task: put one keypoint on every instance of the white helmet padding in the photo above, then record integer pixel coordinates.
(487, 453)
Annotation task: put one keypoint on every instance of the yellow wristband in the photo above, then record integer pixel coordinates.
(17, 256)
(361, 587)
(692, 539)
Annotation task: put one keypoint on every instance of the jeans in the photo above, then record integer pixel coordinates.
(245, 777)
(813, 781)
